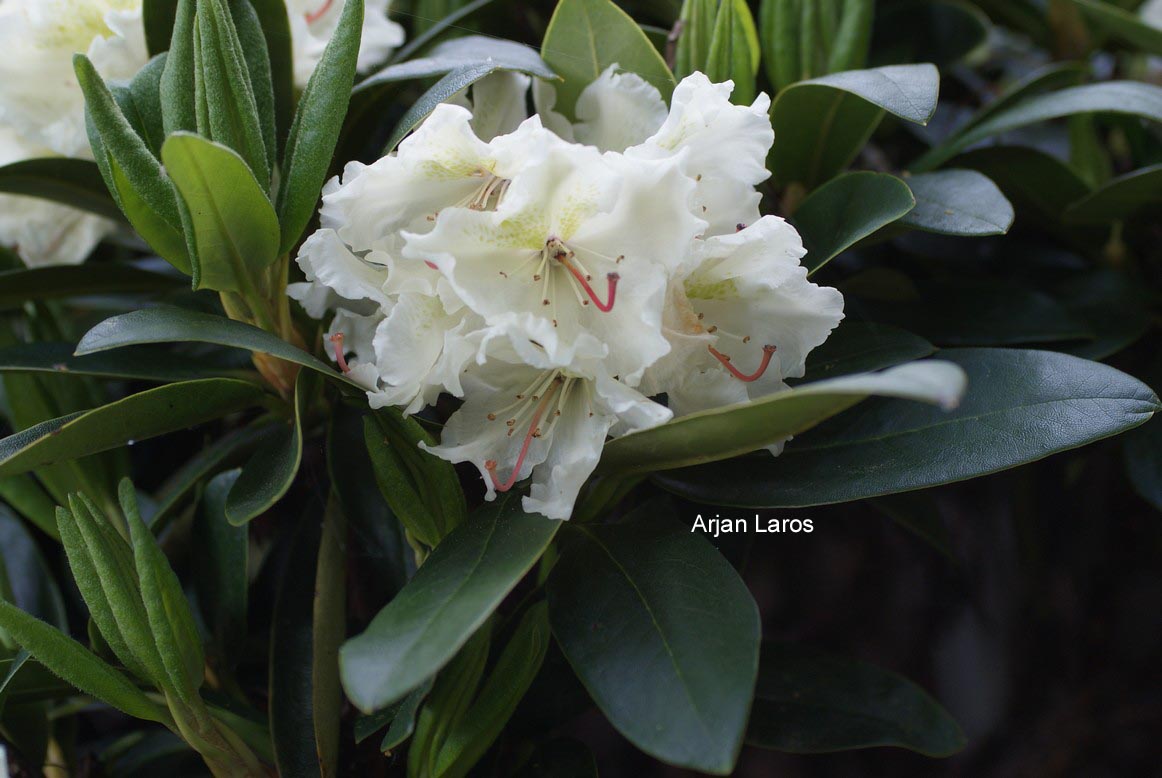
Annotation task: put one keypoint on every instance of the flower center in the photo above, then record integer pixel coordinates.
(544, 398)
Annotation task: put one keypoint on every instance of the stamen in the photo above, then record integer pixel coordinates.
(340, 357)
(611, 293)
(315, 16)
(768, 352)
(534, 432)
(431, 264)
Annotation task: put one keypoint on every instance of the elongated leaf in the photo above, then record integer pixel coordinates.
(235, 228)
(33, 583)
(69, 660)
(451, 84)
(139, 364)
(1039, 185)
(1021, 406)
(846, 210)
(1111, 304)
(697, 27)
(811, 702)
(141, 103)
(435, 30)
(316, 127)
(726, 432)
(958, 202)
(178, 86)
(585, 37)
(73, 182)
(823, 123)
(734, 50)
(252, 38)
(329, 632)
(861, 347)
(137, 417)
(221, 568)
(24, 495)
(463, 52)
(170, 618)
(853, 37)
(459, 585)
(1118, 97)
(1143, 449)
(91, 278)
(272, 16)
(1122, 25)
(664, 635)
(227, 451)
(1121, 199)
(942, 32)
(142, 189)
(268, 475)
(403, 724)
(165, 324)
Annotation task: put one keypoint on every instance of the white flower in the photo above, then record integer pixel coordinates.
(313, 22)
(535, 265)
(741, 317)
(551, 423)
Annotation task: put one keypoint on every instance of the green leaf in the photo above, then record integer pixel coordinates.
(69, 660)
(1111, 303)
(252, 37)
(846, 210)
(1122, 26)
(92, 278)
(1039, 185)
(24, 495)
(137, 364)
(853, 38)
(734, 50)
(72, 182)
(812, 702)
(1021, 406)
(316, 127)
(1117, 97)
(422, 489)
(178, 88)
(697, 19)
(269, 473)
(448, 86)
(862, 347)
(403, 724)
(221, 570)
(235, 228)
(131, 171)
(227, 108)
(1048, 78)
(708, 436)
(272, 16)
(419, 41)
(137, 417)
(330, 630)
(980, 312)
(1121, 199)
(170, 618)
(779, 22)
(33, 583)
(507, 682)
(141, 103)
(664, 635)
(453, 593)
(459, 53)
(1143, 450)
(822, 124)
(958, 202)
(585, 37)
(165, 324)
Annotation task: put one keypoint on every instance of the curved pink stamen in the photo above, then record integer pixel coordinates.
(768, 352)
(340, 357)
(491, 464)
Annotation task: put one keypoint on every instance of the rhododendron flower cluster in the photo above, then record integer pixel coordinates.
(563, 277)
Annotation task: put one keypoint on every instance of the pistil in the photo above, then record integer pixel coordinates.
(534, 431)
(768, 352)
(340, 357)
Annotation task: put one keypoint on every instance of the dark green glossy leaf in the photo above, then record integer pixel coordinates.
(317, 125)
(73, 182)
(403, 724)
(846, 210)
(1021, 406)
(234, 225)
(138, 364)
(154, 412)
(222, 570)
(269, 473)
(1054, 76)
(811, 702)
(451, 84)
(664, 635)
(1120, 199)
(958, 202)
(1112, 305)
(92, 278)
(1143, 449)
(823, 123)
(942, 32)
(585, 37)
(436, 29)
(1118, 97)
(165, 324)
(863, 347)
(451, 595)
(1039, 185)
(721, 433)
(980, 312)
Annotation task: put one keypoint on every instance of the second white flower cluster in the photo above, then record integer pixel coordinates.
(565, 279)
